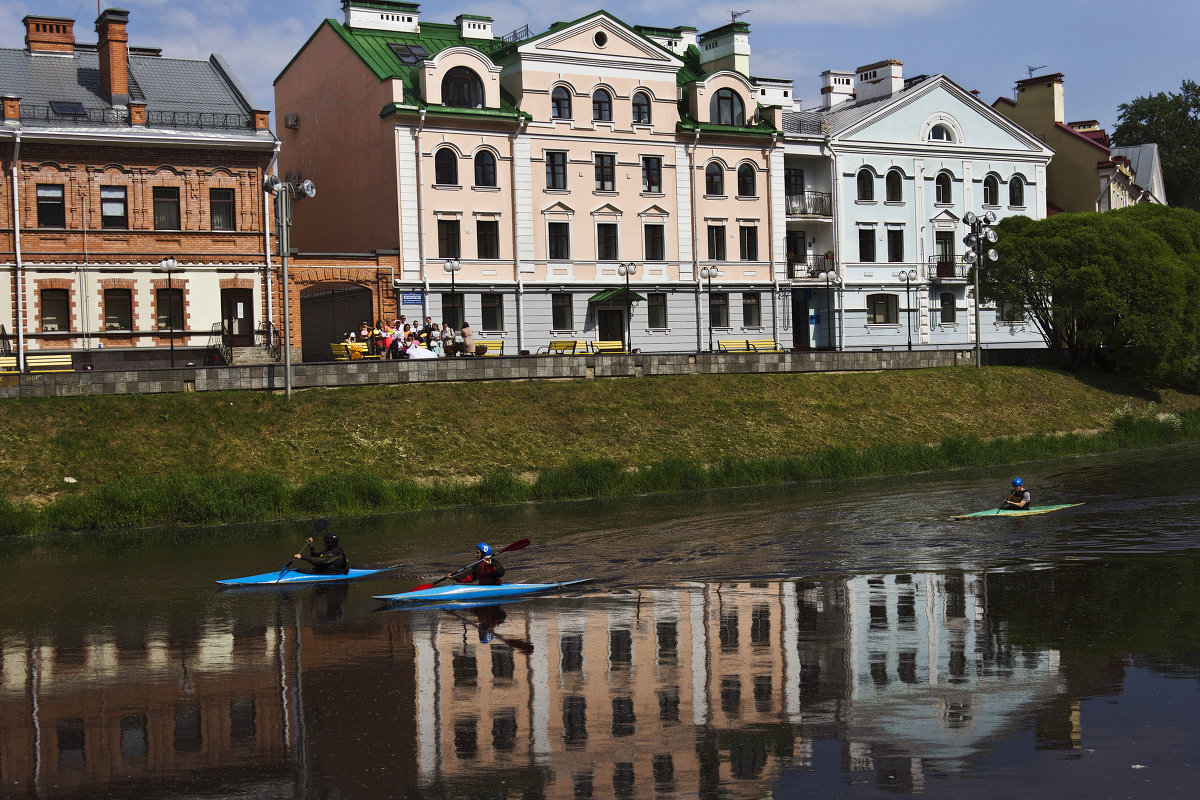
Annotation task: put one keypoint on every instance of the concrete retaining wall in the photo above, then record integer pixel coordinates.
(270, 377)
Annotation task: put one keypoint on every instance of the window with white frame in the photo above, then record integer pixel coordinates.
(941, 133)
(652, 174)
(221, 209)
(716, 242)
(949, 310)
(656, 310)
(114, 209)
(560, 103)
(718, 309)
(558, 240)
(118, 310)
(449, 243)
(866, 245)
(866, 185)
(895, 244)
(943, 189)
(991, 191)
(752, 309)
(606, 242)
(56, 310)
(748, 242)
(492, 311)
(883, 309)
(51, 205)
(562, 312)
(487, 238)
(556, 169)
(641, 108)
(655, 241)
(606, 172)
(602, 106)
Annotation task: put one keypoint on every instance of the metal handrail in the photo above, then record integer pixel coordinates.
(269, 338)
(948, 267)
(161, 119)
(216, 341)
(812, 267)
(815, 204)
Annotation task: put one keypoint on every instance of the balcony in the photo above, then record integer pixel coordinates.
(812, 268)
(948, 269)
(810, 204)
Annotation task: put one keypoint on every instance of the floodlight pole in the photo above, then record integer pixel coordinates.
(284, 193)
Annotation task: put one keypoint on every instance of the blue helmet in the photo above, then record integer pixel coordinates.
(484, 549)
(1018, 483)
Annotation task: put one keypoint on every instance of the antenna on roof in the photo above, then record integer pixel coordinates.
(1035, 69)
(733, 15)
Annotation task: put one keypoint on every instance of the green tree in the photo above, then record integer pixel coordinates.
(1172, 121)
(1117, 290)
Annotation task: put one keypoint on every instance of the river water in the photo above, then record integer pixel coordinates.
(840, 639)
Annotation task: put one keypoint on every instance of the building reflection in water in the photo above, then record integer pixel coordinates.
(657, 692)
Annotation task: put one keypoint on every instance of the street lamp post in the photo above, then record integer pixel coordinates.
(170, 266)
(284, 193)
(452, 266)
(908, 277)
(708, 273)
(981, 235)
(626, 270)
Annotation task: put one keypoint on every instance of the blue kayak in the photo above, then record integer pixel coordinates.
(290, 576)
(470, 592)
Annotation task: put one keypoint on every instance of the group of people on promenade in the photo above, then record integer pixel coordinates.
(402, 339)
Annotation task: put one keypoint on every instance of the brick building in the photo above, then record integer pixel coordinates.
(133, 221)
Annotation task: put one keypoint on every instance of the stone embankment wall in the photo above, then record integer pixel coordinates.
(270, 377)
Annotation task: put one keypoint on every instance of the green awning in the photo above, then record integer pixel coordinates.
(613, 294)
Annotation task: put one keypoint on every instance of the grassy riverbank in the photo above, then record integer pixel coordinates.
(105, 462)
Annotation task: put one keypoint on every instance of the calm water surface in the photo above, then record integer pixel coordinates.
(832, 640)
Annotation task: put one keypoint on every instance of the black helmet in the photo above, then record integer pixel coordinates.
(331, 539)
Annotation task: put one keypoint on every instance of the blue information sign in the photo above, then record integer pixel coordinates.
(410, 298)
(813, 319)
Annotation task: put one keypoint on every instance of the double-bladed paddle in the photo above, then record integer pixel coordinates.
(517, 545)
(319, 526)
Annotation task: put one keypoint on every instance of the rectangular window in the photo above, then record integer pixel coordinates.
(606, 242)
(452, 310)
(949, 314)
(656, 249)
(748, 242)
(487, 238)
(718, 309)
(492, 309)
(1010, 311)
(716, 242)
(606, 170)
(170, 309)
(56, 310)
(556, 170)
(188, 730)
(883, 309)
(51, 206)
(652, 174)
(166, 208)
(220, 209)
(793, 181)
(866, 244)
(751, 310)
(118, 310)
(563, 312)
(558, 242)
(242, 728)
(114, 211)
(895, 241)
(656, 310)
(449, 245)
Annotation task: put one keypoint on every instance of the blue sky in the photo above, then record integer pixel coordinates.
(1110, 51)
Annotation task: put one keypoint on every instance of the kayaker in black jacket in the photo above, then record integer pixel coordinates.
(330, 561)
(487, 571)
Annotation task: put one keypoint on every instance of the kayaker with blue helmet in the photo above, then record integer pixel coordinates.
(330, 561)
(487, 571)
(1019, 498)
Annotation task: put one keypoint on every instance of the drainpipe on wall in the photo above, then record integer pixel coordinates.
(16, 209)
(420, 221)
(520, 295)
(267, 245)
(836, 208)
(695, 243)
(775, 298)
(83, 302)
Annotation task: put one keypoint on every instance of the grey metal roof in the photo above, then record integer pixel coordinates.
(845, 115)
(179, 93)
(1146, 166)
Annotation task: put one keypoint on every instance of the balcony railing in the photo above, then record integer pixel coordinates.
(154, 119)
(810, 204)
(811, 268)
(948, 267)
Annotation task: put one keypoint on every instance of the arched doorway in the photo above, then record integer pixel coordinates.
(327, 313)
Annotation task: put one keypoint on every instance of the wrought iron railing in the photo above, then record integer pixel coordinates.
(269, 339)
(813, 204)
(810, 268)
(154, 119)
(216, 343)
(948, 266)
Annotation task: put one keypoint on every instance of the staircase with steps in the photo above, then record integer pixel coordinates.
(243, 356)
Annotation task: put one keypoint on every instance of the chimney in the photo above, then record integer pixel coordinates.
(49, 34)
(11, 104)
(1041, 98)
(727, 47)
(114, 60)
(881, 79)
(836, 87)
(474, 27)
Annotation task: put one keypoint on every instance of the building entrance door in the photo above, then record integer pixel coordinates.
(327, 313)
(237, 317)
(801, 333)
(610, 324)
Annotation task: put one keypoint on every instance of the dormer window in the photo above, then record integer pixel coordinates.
(727, 108)
(462, 88)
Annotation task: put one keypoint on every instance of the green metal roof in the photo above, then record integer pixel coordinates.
(612, 294)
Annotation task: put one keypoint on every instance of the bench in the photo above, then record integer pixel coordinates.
(748, 346)
(58, 362)
(340, 350)
(8, 365)
(564, 347)
(349, 351)
(495, 347)
(602, 346)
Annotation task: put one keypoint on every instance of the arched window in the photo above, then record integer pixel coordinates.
(485, 168)
(942, 188)
(602, 106)
(746, 181)
(991, 191)
(866, 185)
(445, 167)
(727, 108)
(560, 103)
(714, 179)
(940, 133)
(894, 186)
(461, 88)
(1016, 191)
(641, 108)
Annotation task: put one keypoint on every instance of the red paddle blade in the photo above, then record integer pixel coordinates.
(518, 545)
(422, 587)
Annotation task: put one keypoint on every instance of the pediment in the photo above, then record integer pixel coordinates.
(654, 211)
(597, 37)
(944, 215)
(558, 208)
(607, 210)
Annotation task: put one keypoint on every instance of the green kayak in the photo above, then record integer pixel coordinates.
(1016, 512)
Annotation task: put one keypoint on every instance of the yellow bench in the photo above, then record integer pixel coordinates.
(8, 364)
(58, 362)
(349, 351)
(564, 347)
(340, 351)
(606, 346)
(495, 347)
(748, 346)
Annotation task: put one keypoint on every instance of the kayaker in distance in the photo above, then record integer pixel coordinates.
(487, 571)
(1019, 498)
(330, 561)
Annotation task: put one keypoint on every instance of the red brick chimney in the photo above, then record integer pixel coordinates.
(49, 34)
(114, 59)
